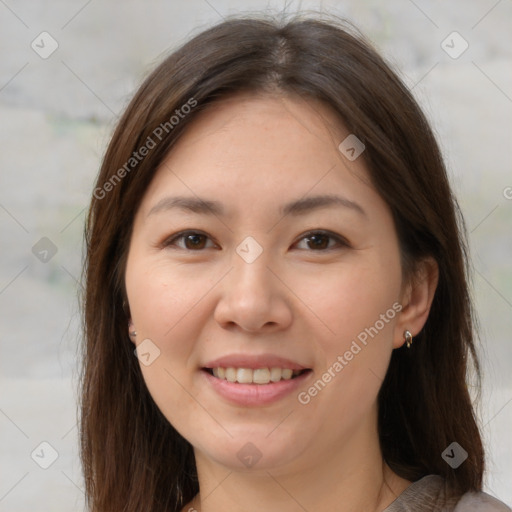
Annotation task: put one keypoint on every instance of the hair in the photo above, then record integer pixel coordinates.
(133, 459)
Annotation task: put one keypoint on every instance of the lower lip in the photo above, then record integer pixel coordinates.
(255, 394)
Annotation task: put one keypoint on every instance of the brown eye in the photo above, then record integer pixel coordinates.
(318, 241)
(192, 241)
(321, 241)
(196, 241)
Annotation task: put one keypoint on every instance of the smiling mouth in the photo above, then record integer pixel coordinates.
(259, 376)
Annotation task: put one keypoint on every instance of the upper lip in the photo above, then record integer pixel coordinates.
(253, 362)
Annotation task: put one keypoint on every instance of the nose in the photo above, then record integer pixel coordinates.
(253, 298)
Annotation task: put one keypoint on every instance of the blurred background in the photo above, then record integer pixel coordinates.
(67, 70)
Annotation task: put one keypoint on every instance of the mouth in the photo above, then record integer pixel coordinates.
(257, 376)
(254, 380)
(255, 387)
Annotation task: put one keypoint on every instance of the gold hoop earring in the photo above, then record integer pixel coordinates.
(408, 338)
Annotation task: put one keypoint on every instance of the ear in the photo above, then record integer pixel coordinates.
(416, 300)
(131, 331)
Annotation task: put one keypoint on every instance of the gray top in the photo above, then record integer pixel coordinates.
(429, 495)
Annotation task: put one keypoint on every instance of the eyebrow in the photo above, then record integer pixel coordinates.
(212, 207)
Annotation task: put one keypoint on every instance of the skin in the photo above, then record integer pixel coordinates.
(254, 153)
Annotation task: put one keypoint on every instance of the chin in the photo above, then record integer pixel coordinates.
(250, 450)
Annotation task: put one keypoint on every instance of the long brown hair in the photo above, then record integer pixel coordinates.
(133, 459)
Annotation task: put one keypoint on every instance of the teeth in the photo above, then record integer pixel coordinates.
(275, 374)
(287, 373)
(257, 376)
(230, 375)
(244, 375)
(261, 376)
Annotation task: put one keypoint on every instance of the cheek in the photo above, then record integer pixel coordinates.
(355, 358)
(354, 298)
(163, 299)
(359, 306)
(164, 307)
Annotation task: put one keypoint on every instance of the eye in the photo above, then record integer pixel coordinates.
(320, 240)
(193, 240)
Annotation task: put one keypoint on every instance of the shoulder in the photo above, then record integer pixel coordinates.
(480, 502)
(432, 494)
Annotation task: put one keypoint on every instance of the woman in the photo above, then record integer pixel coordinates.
(276, 311)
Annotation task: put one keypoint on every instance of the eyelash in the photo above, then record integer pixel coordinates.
(342, 242)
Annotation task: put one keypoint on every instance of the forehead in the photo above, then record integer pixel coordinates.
(274, 115)
(255, 150)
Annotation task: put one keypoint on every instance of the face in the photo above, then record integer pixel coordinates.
(259, 253)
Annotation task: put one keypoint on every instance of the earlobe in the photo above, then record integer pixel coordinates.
(417, 300)
(132, 333)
